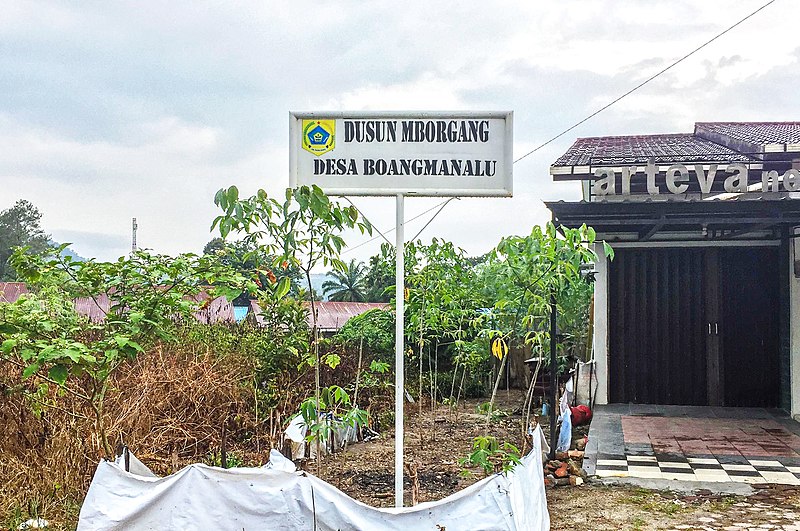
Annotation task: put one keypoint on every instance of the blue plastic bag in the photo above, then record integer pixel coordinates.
(565, 435)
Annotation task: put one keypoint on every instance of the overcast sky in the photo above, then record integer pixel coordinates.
(114, 110)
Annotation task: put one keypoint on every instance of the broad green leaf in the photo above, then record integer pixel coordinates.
(220, 199)
(332, 360)
(59, 373)
(608, 250)
(30, 370)
(283, 287)
(232, 194)
(8, 345)
(121, 341)
(134, 345)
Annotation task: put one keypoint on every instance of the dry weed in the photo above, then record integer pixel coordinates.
(168, 406)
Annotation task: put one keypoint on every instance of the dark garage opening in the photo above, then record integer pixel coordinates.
(695, 326)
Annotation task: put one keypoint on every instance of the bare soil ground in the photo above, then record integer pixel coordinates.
(436, 440)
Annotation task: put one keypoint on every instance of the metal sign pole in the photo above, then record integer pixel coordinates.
(553, 374)
(399, 389)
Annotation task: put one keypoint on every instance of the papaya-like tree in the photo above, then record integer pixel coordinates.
(527, 273)
(304, 230)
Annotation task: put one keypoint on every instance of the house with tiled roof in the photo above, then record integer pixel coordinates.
(701, 302)
(331, 315)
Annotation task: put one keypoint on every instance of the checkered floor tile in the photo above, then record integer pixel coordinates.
(714, 469)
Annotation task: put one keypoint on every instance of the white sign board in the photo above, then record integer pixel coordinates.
(388, 153)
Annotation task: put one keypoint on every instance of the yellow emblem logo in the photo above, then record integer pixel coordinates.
(319, 136)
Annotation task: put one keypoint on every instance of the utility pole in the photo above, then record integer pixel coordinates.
(134, 226)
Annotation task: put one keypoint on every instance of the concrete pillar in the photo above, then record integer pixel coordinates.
(600, 337)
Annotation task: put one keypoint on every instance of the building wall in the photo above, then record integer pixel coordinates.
(600, 336)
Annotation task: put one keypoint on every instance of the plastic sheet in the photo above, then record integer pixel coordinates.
(565, 434)
(201, 497)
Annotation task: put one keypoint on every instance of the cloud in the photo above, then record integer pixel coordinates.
(117, 110)
(86, 243)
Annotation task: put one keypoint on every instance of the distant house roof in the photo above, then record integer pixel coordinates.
(212, 311)
(95, 308)
(331, 316)
(10, 291)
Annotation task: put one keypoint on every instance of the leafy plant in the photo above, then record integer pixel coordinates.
(379, 367)
(527, 275)
(491, 456)
(232, 459)
(485, 408)
(335, 411)
(302, 231)
(130, 301)
(374, 327)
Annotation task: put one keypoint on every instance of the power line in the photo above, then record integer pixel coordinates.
(442, 204)
(432, 218)
(643, 83)
(577, 124)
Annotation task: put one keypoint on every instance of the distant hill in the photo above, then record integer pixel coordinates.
(68, 252)
(75, 256)
(316, 282)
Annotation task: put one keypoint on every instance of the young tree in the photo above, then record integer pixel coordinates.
(20, 226)
(444, 305)
(304, 230)
(380, 275)
(250, 260)
(528, 273)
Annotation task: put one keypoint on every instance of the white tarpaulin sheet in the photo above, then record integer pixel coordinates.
(201, 497)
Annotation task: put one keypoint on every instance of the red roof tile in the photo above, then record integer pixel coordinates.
(638, 149)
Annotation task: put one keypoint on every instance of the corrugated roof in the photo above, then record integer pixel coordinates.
(95, 308)
(331, 316)
(10, 291)
(214, 311)
(639, 149)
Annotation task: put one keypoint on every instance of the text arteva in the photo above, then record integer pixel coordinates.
(677, 179)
